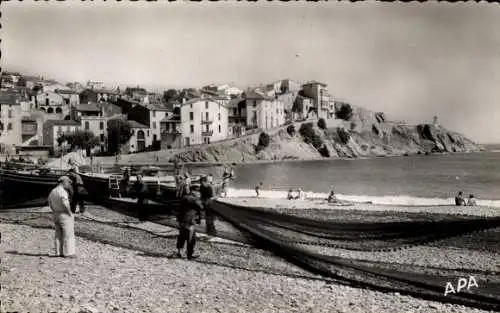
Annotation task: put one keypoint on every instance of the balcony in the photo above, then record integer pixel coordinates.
(209, 121)
(207, 133)
(170, 132)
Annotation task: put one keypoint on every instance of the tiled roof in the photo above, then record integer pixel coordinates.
(175, 117)
(8, 98)
(112, 92)
(316, 82)
(158, 107)
(88, 107)
(62, 123)
(251, 94)
(66, 92)
(135, 124)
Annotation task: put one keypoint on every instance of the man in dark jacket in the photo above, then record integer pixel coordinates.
(140, 190)
(207, 194)
(189, 214)
(77, 191)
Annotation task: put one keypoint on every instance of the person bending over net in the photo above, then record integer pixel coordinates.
(77, 191)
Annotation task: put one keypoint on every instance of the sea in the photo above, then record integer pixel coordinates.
(411, 180)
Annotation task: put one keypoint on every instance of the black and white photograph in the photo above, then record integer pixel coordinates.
(241, 157)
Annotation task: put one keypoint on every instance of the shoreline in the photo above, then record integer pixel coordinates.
(226, 163)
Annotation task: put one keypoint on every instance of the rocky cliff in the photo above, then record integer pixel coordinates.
(364, 134)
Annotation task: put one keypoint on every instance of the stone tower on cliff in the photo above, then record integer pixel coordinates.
(435, 121)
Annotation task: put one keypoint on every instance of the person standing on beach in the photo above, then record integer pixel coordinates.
(206, 195)
(140, 192)
(459, 199)
(226, 178)
(472, 201)
(77, 192)
(63, 218)
(257, 188)
(189, 214)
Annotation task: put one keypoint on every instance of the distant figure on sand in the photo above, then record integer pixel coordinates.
(257, 188)
(472, 200)
(459, 199)
(290, 195)
(189, 215)
(63, 218)
(332, 198)
(226, 179)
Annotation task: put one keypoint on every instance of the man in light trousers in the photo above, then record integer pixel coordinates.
(64, 220)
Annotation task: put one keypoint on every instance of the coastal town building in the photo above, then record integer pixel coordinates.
(237, 117)
(10, 121)
(284, 86)
(141, 138)
(150, 115)
(201, 121)
(263, 111)
(301, 107)
(97, 95)
(70, 97)
(318, 92)
(53, 129)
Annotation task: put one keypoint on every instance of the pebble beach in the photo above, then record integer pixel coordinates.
(127, 266)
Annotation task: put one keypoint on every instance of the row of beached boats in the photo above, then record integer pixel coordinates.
(30, 185)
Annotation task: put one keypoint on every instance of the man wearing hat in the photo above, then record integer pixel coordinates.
(64, 221)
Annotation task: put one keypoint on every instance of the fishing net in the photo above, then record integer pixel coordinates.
(302, 241)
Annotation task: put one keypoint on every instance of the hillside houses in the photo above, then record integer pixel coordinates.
(37, 115)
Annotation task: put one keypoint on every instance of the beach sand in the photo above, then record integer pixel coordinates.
(321, 204)
(144, 277)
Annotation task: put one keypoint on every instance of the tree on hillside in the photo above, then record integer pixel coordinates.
(322, 123)
(21, 82)
(170, 95)
(82, 139)
(344, 112)
(119, 132)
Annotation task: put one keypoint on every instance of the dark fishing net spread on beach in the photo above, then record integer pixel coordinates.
(306, 241)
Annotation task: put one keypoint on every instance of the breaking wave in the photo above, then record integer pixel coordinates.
(386, 200)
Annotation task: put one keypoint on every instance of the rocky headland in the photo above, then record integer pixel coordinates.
(363, 134)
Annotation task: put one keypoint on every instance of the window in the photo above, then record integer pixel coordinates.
(147, 132)
(219, 116)
(154, 125)
(9, 126)
(191, 105)
(102, 137)
(220, 129)
(255, 103)
(101, 125)
(206, 116)
(191, 116)
(191, 128)
(206, 104)
(10, 113)
(154, 113)
(1, 126)
(87, 125)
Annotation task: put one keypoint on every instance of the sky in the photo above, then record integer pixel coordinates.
(411, 61)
